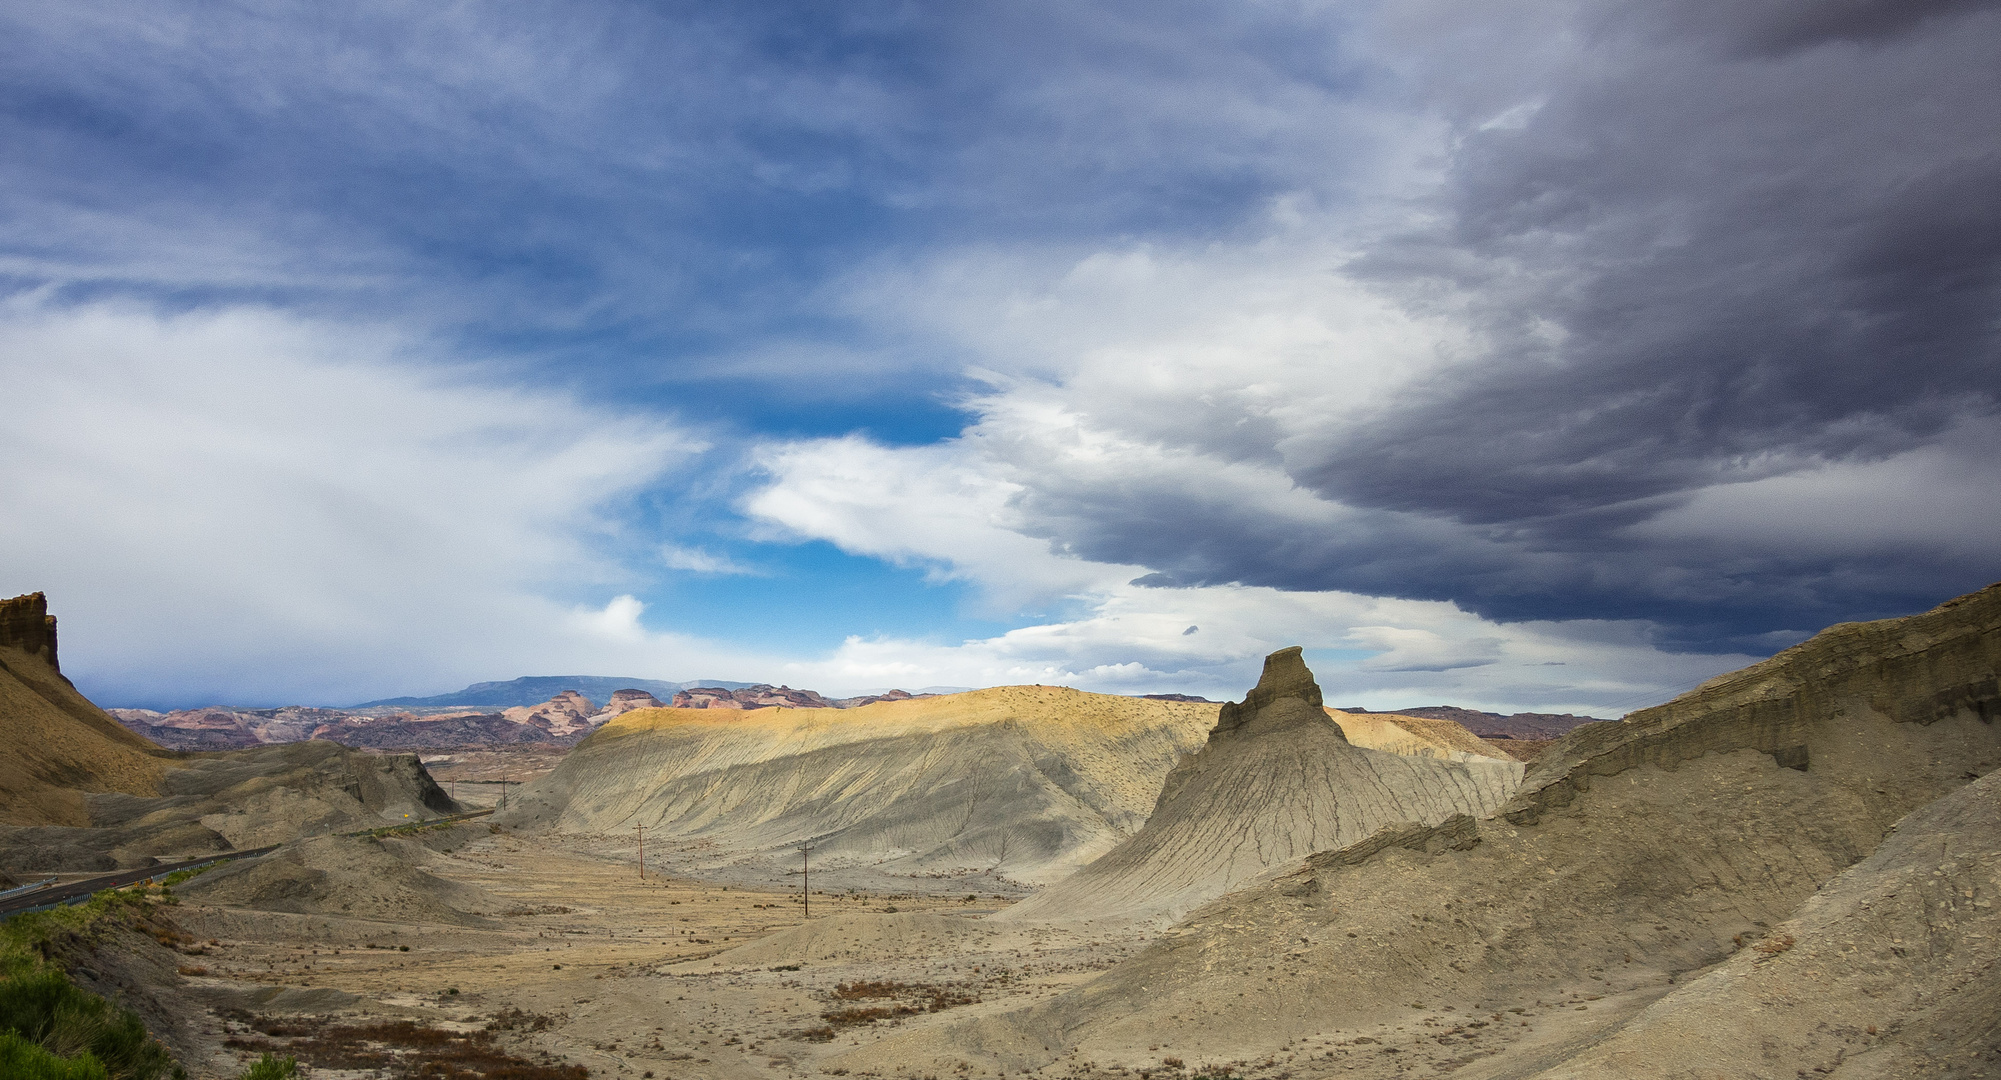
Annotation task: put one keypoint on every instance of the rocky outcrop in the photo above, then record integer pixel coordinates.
(760, 696)
(26, 625)
(1285, 695)
(1919, 670)
(568, 713)
(1276, 781)
(624, 701)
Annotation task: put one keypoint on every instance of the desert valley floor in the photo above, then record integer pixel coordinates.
(679, 978)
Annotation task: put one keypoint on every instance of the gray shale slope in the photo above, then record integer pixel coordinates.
(1678, 849)
(1017, 784)
(1276, 781)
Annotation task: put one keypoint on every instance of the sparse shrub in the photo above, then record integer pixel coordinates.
(192, 872)
(272, 1068)
(857, 990)
(1776, 946)
(513, 1019)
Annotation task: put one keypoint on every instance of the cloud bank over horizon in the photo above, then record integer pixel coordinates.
(1554, 358)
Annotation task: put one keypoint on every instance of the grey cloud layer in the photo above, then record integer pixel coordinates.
(1701, 245)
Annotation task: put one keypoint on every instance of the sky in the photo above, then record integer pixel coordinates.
(1555, 355)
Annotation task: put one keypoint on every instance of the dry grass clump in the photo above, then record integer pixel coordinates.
(904, 999)
(402, 1048)
(513, 1019)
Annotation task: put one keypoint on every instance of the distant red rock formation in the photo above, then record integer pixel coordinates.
(765, 696)
(761, 696)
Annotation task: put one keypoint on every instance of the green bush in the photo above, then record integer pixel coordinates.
(24, 1060)
(272, 1068)
(43, 1007)
(179, 876)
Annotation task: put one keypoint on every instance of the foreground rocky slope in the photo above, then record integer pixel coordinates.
(1276, 781)
(1891, 969)
(1637, 857)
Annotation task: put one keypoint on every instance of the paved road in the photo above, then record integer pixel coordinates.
(79, 891)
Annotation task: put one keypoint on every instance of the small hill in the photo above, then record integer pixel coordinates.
(55, 745)
(1277, 780)
(363, 877)
(1415, 736)
(1025, 782)
(1488, 725)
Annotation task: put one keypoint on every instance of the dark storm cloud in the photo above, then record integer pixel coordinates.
(1714, 244)
(1776, 27)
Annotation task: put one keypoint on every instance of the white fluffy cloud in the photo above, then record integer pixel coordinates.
(241, 504)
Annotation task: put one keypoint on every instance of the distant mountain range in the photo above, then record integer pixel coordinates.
(536, 689)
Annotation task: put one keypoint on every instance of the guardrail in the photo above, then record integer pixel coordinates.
(45, 895)
(20, 890)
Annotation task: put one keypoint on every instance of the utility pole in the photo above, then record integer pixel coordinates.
(806, 879)
(642, 851)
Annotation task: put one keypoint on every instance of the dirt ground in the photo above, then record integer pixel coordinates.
(595, 967)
